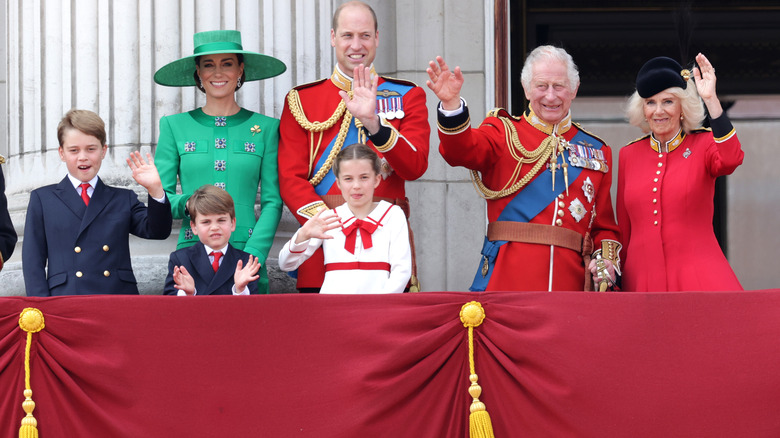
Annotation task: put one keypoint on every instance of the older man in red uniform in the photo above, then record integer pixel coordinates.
(546, 181)
(353, 105)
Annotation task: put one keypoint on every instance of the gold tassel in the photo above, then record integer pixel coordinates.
(471, 315)
(31, 321)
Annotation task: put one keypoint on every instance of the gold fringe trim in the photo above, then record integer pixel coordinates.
(471, 315)
(31, 321)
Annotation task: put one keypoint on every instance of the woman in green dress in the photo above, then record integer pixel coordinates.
(221, 143)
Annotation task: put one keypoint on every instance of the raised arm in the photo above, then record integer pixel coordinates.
(445, 83)
(362, 103)
(704, 77)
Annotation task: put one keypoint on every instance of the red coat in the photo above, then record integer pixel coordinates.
(403, 142)
(526, 266)
(665, 208)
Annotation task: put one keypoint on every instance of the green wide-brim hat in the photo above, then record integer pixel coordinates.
(179, 73)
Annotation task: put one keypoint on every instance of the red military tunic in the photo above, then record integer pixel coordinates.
(587, 207)
(402, 141)
(665, 208)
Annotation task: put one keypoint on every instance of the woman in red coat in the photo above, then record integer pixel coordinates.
(666, 181)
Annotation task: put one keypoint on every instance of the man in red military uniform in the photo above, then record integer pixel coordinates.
(353, 105)
(546, 181)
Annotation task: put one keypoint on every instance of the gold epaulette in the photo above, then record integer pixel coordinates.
(639, 139)
(310, 84)
(399, 81)
(588, 132)
(501, 112)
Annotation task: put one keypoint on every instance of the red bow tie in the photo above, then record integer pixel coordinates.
(365, 235)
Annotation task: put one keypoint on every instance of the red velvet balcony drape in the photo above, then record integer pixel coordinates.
(550, 364)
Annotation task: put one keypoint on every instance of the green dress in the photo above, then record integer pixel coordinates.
(235, 153)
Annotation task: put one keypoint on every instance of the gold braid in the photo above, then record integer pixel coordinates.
(547, 147)
(333, 152)
(294, 102)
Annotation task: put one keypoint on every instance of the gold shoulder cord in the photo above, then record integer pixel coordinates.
(548, 146)
(294, 102)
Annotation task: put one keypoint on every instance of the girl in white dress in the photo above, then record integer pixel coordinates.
(365, 243)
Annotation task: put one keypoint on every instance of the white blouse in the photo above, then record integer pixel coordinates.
(385, 267)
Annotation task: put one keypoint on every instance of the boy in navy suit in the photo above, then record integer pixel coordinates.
(212, 266)
(81, 227)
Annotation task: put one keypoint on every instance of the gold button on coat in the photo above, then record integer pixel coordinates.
(79, 274)
(559, 222)
(106, 273)
(77, 249)
(105, 248)
(561, 213)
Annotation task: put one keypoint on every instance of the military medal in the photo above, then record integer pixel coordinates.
(399, 112)
(385, 169)
(588, 189)
(577, 209)
(380, 107)
(587, 157)
(390, 109)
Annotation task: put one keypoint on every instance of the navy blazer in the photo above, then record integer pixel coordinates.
(7, 232)
(208, 282)
(87, 247)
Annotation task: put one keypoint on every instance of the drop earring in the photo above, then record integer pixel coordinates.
(238, 83)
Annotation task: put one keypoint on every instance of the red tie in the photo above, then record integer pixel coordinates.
(366, 227)
(215, 264)
(84, 194)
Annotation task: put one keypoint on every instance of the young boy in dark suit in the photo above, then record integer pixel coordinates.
(212, 266)
(81, 227)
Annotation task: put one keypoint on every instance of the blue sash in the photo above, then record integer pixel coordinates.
(395, 90)
(528, 203)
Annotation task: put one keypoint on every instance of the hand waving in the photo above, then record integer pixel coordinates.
(183, 280)
(246, 274)
(145, 173)
(445, 83)
(362, 104)
(318, 226)
(704, 77)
